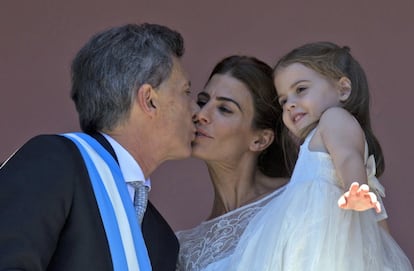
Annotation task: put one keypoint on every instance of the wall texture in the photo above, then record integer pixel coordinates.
(39, 39)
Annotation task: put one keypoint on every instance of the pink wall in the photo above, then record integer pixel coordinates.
(39, 39)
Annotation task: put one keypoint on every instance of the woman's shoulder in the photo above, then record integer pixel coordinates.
(267, 184)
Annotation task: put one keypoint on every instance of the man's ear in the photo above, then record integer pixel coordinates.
(345, 88)
(146, 98)
(262, 140)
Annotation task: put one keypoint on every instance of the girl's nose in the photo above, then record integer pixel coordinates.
(290, 104)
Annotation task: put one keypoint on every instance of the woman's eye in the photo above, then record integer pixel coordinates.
(282, 102)
(224, 109)
(201, 103)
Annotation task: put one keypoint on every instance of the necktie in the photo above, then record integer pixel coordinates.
(140, 199)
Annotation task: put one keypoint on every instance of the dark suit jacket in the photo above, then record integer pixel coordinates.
(49, 219)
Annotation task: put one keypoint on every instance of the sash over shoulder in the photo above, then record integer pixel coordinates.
(125, 240)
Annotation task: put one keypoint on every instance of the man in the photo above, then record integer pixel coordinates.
(62, 206)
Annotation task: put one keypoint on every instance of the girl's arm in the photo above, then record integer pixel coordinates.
(344, 140)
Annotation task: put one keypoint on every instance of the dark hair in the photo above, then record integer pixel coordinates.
(110, 67)
(334, 62)
(257, 77)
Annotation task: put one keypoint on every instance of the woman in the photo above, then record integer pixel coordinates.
(236, 131)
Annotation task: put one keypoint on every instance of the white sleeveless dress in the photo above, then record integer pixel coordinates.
(304, 229)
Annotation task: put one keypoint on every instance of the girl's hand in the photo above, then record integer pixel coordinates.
(358, 198)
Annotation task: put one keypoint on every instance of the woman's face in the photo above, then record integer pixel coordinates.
(224, 122)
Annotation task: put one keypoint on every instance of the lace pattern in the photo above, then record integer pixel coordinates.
(216, 239)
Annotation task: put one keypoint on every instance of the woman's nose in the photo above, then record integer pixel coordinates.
(201, 116)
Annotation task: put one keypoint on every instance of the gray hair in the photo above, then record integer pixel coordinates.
(110, 67)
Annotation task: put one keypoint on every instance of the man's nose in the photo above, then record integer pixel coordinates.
(194, 107)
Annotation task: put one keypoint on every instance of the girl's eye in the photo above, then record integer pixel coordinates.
(282, 101)
(300, 89)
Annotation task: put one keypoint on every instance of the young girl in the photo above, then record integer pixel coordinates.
(325, 99)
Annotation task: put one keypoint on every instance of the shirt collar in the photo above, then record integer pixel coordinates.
(130, 169)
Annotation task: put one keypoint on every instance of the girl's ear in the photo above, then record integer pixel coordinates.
(262, 140)
(146, 97)
(345, 88)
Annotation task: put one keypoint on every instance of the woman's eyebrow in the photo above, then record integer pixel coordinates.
(221, 98)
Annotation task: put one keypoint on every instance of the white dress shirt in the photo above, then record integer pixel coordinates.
(130, 169)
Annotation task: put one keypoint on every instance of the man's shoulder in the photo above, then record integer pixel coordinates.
(47, 138)
(48, 149)
(50, 161)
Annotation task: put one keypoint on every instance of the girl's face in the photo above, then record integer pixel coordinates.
(224, 122)
(304, 95)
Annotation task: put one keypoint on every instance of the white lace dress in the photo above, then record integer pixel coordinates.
(304, 229)
(209, 245)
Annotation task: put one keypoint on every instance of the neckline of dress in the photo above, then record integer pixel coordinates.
(241, 208)
(309, 137)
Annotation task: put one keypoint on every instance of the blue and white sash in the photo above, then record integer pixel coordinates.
(124, 235)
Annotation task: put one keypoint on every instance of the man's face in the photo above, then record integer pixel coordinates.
(176, 109)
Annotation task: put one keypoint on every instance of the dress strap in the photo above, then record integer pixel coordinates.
(309, 137)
